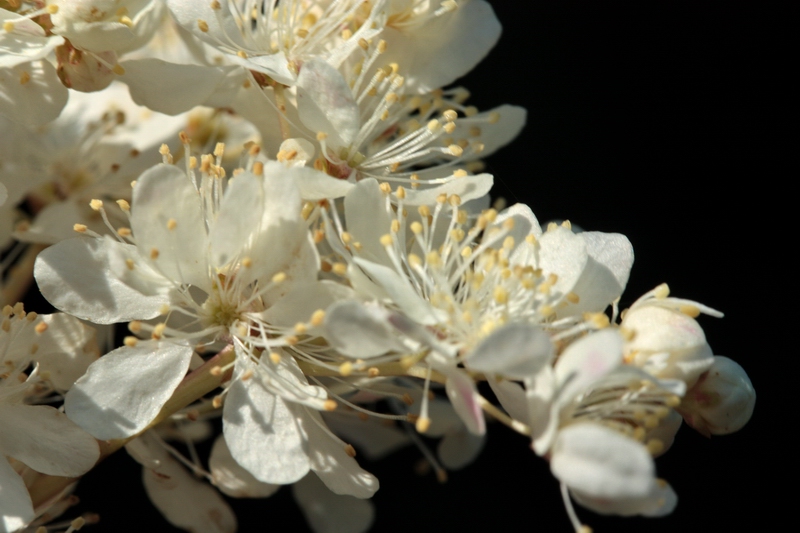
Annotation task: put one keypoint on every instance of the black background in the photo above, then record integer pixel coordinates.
(665, 122)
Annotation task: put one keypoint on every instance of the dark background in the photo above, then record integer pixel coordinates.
(660, 120)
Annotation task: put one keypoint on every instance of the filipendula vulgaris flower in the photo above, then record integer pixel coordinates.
(36, 438)
(457, 288)
(221, 262)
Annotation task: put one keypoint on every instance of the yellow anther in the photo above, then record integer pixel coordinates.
(118, 70)
(80, 228)
(690, 310)
(126, 20)
(158, 331)
(400, 192)
(202, 25)
(215, 371)
(450, 127)
(340, 269)
(500, 295)
(346, 368)
(124, 232)
(172, 224)
(346, 34)
(8, 26)
(317, 317)
(566, 224)
(433, 125)
(508, 242)
(416, 228)
(154, 253)
(300, 328)
(373, 372)
(494, 118)
(41, 327)
(330, 405)
(395, 226)
(363, 43)
(424, 211)
(280, 277)
(135, 326)
(385, 188)
(96, 204)
(130, 341)
(247, 262)
(423, 424)
(124, 205)
(247, 374)
(466, 252)
(78, 523)
(349, 450)
(455, 150)
(573, 298)
(662, 291)
(215, 5)
(414, 260)
(216, 403)
(457, 235)
(381, 46)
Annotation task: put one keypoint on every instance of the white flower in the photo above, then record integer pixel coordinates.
(39, 436)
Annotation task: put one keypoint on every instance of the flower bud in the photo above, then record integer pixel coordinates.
(666, 343)
(722, 401)
(83, 71)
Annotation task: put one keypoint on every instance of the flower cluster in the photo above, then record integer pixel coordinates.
(284, 204)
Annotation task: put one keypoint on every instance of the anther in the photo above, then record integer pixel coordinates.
(217, 402)
(158, 331)
(96, 204)
(202, 25)
(330, 405)
(346, 368)
(130, 341)
(423, 424)
(154, 253)
(280, 277)
(80, 228)
(135, 326)
(41, 327)
(124, 205)
(215, 371)
(172, 224)
(317, 317)
(349, 450)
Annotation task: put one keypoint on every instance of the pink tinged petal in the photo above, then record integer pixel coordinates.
(459, 449)
(325, 103)
(46, 440)
(359, 330)
(264, 434)
(587, 360)
(515, 351)
(167, 216)
(16, 509)
(76, 276)
(185, 501)
(179, 87)
(602, 463)
(230, 478)
(464, 396)
(722, 400)
(466, 187)
(31, 93)
(327, 512)
(660, 501)
(123, 391)
(606, 272)
(329, 460)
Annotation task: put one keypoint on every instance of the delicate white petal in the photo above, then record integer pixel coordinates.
(466, 187)
(263, 434)
(587, 360)
(66, 349)
(359, 330)
(221, 25)
(26, 42)
(75, 276)
(499, 126)
(299, 304)
(367, 219)
(515, 351)
(123, 391)
(601, 463)
(177, 234)
(464, 396)
(46, 440)
(563, 253)
(446, 47)
(325, 102)
(659, 502)
(38, 100)
(372, 437)
(327, 512)
(185, 501)
(512, 398)
(239, 215)
(459, 449)
(329, 460)
(315, 185)
(16, 509)
(179, 87)
(230, 478)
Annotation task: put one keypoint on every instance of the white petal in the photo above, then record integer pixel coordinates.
(466, 187)
(464, 396)
(123, 391)
(606, 272)
(298, 304)
(327, 512)
(66, 349)
(185, 501)
(659, 502)
(587, 360)
(75, 276)
(563, 253)
(325, 102)
(459, 449)
(264, 434)
(512, 398)
(38, 100)
(602, 463)
(367, 219)
(315, 185)
(515, 351)
(329, 460)
(221, 23)
(231, 478)
(26, 42)
(16, 509)
(499, 126)
(46, 440)
(444, 48)
(372, 437)
(237, 220)
(179, 87)
(164, 194)
(359, 330)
